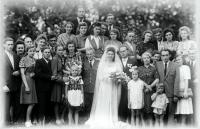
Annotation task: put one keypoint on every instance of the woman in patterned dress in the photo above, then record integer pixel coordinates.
(68, 36)
(28, 92)
(149, 75)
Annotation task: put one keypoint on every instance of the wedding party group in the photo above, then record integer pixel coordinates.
(91, 75)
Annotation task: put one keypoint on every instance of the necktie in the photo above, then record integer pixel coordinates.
(165, 71)
(90, 63)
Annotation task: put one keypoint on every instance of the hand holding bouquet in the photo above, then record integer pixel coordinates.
(119, 77)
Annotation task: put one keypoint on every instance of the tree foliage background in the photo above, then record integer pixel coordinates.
(22, 16)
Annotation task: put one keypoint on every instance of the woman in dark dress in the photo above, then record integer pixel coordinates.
(58, 87)
(149, 75)
(28, 92)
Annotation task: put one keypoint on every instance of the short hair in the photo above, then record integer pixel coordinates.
(157, 30)
(183, 57)
(124, 45)
(18, 42)
(145, 32)
(71, 42)
(79, 26)
(160, 85)
(41, 36)
(8, 39)
(185, 28)
(147, 53)
(116, 31)
(165, 50)
(155, 52)
(44, 48)
(166, 31)
(69, 22)
(50, 36)
(57, 46)
(112, 49)
(96, 24)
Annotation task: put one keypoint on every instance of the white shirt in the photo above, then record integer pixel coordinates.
(46, 60)
(38, 55)
(11, 58)
(167, 64)
(124, 61)
(88, 44)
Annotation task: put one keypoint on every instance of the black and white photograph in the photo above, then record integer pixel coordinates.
(99, 63)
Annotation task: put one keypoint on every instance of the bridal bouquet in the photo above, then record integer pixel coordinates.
(119, 77)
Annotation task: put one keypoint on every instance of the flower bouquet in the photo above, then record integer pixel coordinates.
(119, 77)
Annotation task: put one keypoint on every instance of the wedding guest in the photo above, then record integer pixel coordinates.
(95, 40)
(19, 48)
(159, 104)
(19, 109)
(149, 75)
(129, 42)
(28, 42)
(136, 97)
(185, 43)
(28, 92)
(43, 75)
(167, 71)
(104, 31)
(89, 71)
(127, 63)
(81, 37)
(58, 86)
(74, 94)
(10, 84)
(184, 106)
(157, 33)
(155, 57)
(40, 42)
(169, 42)
(80, 19)
(146, 44)
(114, 39)
(52, 44)
(67, 36)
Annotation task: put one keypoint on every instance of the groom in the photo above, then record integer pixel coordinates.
(127, 62)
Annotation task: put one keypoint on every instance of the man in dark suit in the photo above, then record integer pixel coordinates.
(167, 72)
(11, 74)
(127, 62)
(89, 71)
(80, 18)
(43, 76)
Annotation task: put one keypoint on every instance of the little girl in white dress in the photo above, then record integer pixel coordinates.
(136, 96)
(159, 104)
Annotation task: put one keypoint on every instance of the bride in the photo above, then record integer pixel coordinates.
(107, 92)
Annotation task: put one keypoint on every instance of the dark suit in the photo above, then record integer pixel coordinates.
(123, 106)
(13, 83)
(168, 81)
(89, 79)
(43, 85)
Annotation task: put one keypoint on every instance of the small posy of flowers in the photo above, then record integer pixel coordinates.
(133, 68)
(119, 77)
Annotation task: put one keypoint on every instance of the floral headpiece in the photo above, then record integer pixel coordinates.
(133, 68)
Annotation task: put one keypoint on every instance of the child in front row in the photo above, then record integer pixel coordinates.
(74, 94)
(159, 104)
(136, 96)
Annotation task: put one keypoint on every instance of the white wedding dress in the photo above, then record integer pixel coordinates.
(104, 112)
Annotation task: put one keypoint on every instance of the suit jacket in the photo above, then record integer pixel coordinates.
(131, 61)
(43, 75)
(10, 80)
(89, 75)
(169, 78)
